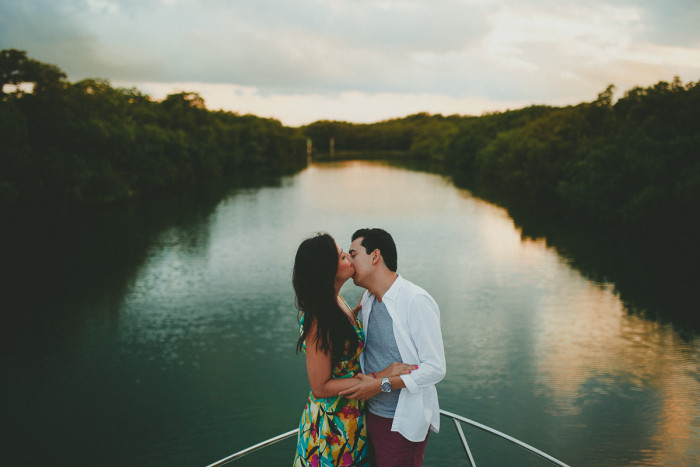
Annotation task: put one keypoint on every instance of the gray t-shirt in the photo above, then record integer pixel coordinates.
(380, 351)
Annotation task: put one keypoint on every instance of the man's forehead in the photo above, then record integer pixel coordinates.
(356, 244)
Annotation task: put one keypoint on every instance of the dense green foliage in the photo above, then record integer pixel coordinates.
(89, 143)
(634, 164)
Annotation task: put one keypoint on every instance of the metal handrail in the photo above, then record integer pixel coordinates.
(525, 446)
(239, 454)
(456, 418)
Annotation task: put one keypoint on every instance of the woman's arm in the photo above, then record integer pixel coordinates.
(395, 369)
(367, 387)
(318, 367)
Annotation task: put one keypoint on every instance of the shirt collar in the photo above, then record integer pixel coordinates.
(393, 291)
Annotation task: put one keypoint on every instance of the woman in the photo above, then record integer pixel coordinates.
(332, 430)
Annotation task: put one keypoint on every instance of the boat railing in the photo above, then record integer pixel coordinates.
(458, 419)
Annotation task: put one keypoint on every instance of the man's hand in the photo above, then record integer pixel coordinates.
(366, 388)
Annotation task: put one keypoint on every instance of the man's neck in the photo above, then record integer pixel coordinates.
(383, 282)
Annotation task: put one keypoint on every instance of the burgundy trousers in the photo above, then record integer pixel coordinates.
(391, 449)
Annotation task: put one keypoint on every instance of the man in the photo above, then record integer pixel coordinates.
(401, 323)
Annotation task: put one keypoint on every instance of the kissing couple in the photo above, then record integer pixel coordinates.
(372, 369)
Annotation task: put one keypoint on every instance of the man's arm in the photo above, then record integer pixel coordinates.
(424, 329)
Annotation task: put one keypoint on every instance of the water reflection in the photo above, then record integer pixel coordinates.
(654, 277)
(172, 331)
(591, 352)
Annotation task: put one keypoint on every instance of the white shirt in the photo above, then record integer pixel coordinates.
(416, 321)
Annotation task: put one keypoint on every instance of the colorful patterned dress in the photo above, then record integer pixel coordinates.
(332, 431)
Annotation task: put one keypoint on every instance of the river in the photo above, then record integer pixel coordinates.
(165, 334)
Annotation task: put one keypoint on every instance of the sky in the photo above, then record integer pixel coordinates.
(363, 61)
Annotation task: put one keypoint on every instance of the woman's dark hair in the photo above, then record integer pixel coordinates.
(315, 267)
(379, 239)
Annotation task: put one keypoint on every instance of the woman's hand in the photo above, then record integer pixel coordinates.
(366, 388)
(397, 369)
(359, 305)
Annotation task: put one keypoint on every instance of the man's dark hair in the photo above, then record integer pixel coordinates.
(378, 239)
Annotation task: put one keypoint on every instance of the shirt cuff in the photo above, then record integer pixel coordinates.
(411, 385)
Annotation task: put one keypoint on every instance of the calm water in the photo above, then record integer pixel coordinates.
(166, 335)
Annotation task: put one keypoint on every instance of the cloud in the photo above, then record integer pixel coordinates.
(279, 45)
(301, 109)
(49, 31)
(494, 53)
(568, 51)
(99, 6)
(669, 23)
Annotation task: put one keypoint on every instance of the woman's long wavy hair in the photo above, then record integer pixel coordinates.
(315, 268)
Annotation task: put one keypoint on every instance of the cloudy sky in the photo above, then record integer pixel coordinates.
(363, 60)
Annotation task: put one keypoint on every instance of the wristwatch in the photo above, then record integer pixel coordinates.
(386, 385)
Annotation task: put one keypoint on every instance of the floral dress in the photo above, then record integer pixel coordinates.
(332, 430)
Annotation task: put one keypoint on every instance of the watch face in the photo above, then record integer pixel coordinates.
(386, 385)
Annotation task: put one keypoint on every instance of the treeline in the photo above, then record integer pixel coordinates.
(90, 143)
(633, 164)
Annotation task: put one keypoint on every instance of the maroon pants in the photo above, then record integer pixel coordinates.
(391, 449)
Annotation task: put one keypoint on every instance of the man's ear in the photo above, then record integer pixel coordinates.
(376, 256)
